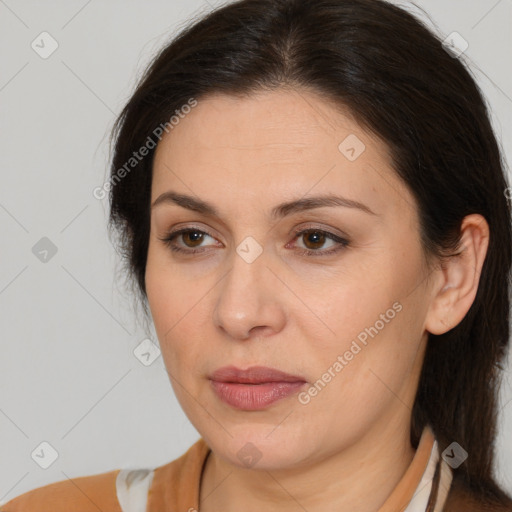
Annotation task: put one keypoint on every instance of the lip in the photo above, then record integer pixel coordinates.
(255, 388)
(253, 375)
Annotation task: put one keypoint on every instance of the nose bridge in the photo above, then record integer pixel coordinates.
(247, 297)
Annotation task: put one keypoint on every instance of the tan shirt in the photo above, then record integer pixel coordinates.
(175, 486)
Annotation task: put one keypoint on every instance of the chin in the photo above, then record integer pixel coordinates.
(259, 446)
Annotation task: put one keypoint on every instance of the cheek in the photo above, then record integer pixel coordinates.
(369, 335)
(341, 309)
(371, 321)
(179, 311)
(362, 374)
(171, 294)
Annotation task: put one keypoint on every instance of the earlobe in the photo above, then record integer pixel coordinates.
(459, 276)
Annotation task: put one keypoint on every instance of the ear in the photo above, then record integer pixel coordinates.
(455, 289)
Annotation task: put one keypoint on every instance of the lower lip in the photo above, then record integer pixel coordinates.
(253, 397)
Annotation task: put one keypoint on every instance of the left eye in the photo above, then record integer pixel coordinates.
(314, 239)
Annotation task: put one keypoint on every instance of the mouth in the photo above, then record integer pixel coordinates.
(255, 388)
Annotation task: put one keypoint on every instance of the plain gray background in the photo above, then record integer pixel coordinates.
(68, 374)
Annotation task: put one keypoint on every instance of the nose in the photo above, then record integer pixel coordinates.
(250, 300)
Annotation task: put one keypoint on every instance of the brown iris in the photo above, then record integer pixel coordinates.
(195, 238)
(315, 238)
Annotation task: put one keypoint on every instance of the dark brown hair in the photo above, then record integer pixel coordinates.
(400, 82)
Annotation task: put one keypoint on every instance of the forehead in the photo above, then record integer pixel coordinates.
(289, 141)
(269, 121)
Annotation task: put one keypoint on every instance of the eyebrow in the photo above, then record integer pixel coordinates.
(279, 211)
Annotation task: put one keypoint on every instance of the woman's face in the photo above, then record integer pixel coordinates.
(334, 293)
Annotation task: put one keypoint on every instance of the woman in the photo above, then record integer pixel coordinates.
(312, 203)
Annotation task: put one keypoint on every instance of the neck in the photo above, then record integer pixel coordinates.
(341, 481)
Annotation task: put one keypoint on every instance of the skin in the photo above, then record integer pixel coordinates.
(292, 311)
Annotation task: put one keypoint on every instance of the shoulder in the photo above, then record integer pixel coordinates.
(85, 494)
(175, 485)
(461, 498)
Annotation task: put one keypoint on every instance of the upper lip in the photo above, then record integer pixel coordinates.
(253, 375)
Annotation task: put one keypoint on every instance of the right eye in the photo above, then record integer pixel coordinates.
(190, 237)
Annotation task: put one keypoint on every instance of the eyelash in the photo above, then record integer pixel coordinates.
(343, 243)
